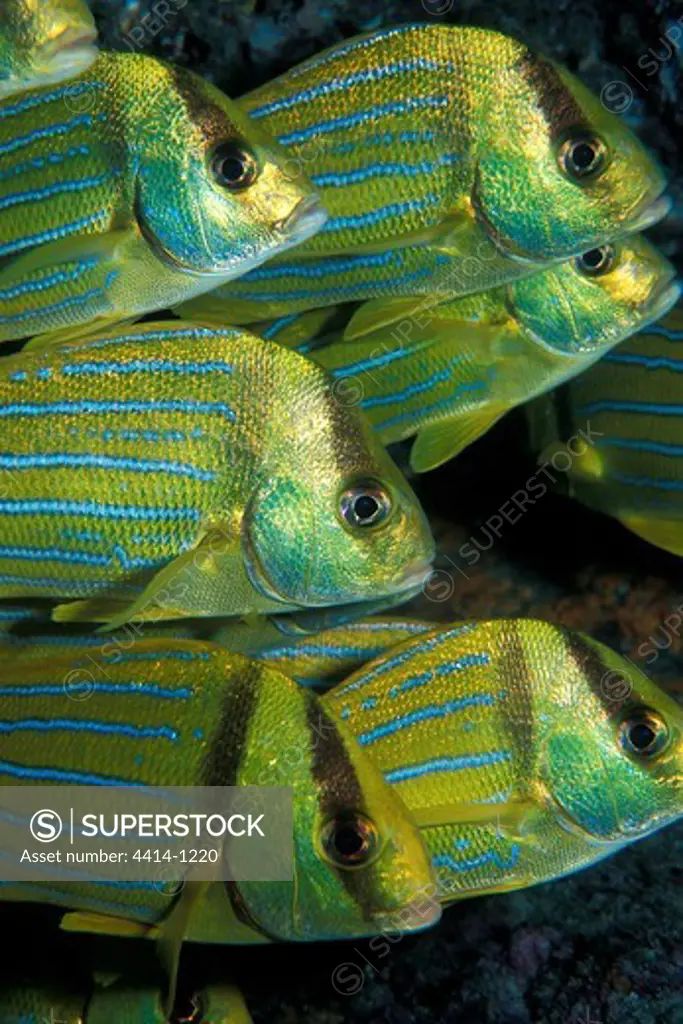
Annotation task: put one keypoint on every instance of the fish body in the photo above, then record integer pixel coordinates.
(633, 401)
(43, 42)
(134, 186)
(448, 372)
(234, 723)
(447, 157)
(521, 749)
(172, 471)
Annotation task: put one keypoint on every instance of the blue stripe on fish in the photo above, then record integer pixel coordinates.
(649, 481)
(115, 462)
(650, 362)
(344, 49)
(279, 325)
(362, 117)
(192, 333)
(646, 408)
(375, 362)
(467, 661)
(17, 614)
(345, 82)
(446, 861)
(59, 895)
(68, 303)
(69, 92)
(320, 650)
(381, 627)
(425, 714)
(118, 689)
(383, 139)
(56, 507)
(414, 651)
(425, 410)
(42, 284)
(363, 220)
(326, 268)
(342, 293)
(56, 189)
(380, 170)
(134, 732)
(641, 445)
(82, 586)
(71, 408)
(146, 366)
(79, 557)
(43, 237)
(44, 773)
(126, 657)
(51, 132)
(446, 764)
(411, 390)
(37, 163)
(664, 332)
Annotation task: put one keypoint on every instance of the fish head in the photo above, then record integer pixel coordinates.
(360, 865)
(612, 755)
(45, 41)
(594, 301)
(333, 521)
(558, 173)
(215, 194)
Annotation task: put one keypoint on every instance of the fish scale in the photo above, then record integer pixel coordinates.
(420, 141)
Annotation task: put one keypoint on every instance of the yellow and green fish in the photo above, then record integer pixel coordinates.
(523, 751)
(43, 42)
(180, 713)
(633, 399)
(451, 159)
(131, 188)
(448, 372)
(171, 471)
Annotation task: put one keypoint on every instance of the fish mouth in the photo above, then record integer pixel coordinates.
(649, 213)
(414, 577)
(664, 298)
(304, 221)
(72, 48)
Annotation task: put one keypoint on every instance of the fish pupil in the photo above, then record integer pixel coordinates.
(233, 166)
(642, 736)
(366, 507)
(583, 156)
(348, 841)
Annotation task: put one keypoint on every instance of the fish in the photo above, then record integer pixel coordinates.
(196, 715)
(303, 646)
(633, 400)
(524, 751)
(446, 373)
(133, 186)
(174, 471)
(43, 42)
(73, 1002)
(451, 159)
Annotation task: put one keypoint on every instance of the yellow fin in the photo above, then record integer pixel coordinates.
(508, 815)
(171, 935)
(377, 313)
(440, 442)
(663, 533)
(77, 332)
(105, 924)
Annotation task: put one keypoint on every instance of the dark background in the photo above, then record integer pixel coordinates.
(604, 946)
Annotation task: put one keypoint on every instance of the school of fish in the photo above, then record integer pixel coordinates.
(404, 237)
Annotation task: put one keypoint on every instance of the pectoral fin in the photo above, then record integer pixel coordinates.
(72, 279)
(104, 924)
(182, 589)
(377, 313)
(506, 816)
(445, 439)
(172, 934)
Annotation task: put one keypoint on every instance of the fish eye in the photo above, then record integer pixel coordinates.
(365, 504)
(596, 262)
(234, 166)
(351, 841)
(643, 733)
(583, 156)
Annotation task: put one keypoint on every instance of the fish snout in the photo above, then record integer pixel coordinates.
(304, 221)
